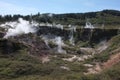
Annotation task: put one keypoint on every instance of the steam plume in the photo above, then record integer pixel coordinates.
(19, 27)
(72, 30)
(59, 43)
(89, 25)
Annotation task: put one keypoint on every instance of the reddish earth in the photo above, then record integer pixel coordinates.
(114, 59)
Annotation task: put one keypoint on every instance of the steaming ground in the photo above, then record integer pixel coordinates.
(45, 49)
(19, 27)
(24, 27)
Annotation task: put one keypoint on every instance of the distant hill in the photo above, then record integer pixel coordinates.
(106, 17)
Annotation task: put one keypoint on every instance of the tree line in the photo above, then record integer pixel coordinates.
(99, 17)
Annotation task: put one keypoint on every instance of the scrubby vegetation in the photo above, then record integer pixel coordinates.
(113, 48)
(22, 57)
(110, 18)
(108, 74)
(19, 65)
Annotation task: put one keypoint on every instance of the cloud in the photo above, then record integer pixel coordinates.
(9, 8)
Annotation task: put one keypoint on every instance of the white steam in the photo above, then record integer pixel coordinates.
(59, 43)
(72, 30)
(59, 26)
(19, 27)
(103, 45)
(89, 25)
(46, 40)
(56, 40)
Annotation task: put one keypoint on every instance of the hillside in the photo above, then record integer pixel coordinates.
(16, 63)
(72, 46)
(109, 18)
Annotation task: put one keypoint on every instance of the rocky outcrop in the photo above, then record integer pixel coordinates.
(8, 46)
(1, 34)
(35, 45)
(94, 35)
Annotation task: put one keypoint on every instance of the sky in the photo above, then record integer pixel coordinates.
(26, 7)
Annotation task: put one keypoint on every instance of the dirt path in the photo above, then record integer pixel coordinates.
(114, 59)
